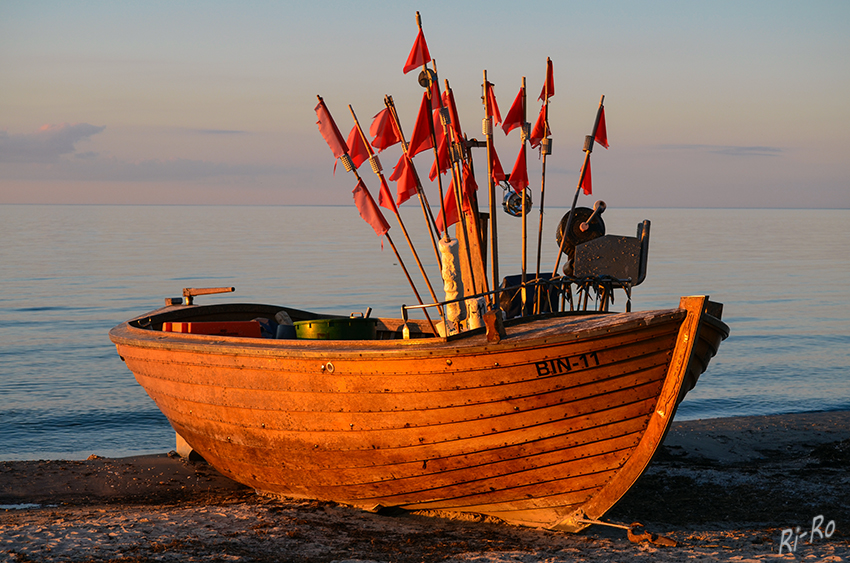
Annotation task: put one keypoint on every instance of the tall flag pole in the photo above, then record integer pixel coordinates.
(408, 179)
(420, 56)
(491, 114)
(369, 211)
(386, 200)
(540, 136)
(518, 178)
(599, 135)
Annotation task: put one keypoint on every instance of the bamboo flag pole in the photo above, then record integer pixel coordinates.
(376, 168)
(423, 199)
(491, 192)
(349, 165)
(431, 79)
(523, 138)
(588, 148)
(545, 148)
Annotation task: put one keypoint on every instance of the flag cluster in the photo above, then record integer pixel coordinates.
(428, 130)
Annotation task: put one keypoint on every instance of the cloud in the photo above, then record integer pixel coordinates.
(47, 144)
(50, 154)
(728, 150)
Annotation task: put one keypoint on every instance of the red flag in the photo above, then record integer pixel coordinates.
(419, 54)
(469, 187)
(492, 106)
(442, 151)
(357, 148)
(540, 129)
(515, 117)
(385, 196)
(602, 131)
(549, 86)
(383, 130)
(329, 130)
(449, 102)
(421, 138)
(368, 210)
(436, 99)
(498, 172)
(585, 180)
(451, 210)
(519, 175)
(403, 174)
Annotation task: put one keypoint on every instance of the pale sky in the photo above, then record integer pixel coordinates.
(708, 104)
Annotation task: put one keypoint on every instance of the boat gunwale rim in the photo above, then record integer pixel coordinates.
(128, 335)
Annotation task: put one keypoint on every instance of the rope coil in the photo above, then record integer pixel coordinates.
(346, 162)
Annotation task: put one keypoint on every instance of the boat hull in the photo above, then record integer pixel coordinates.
(548, 427)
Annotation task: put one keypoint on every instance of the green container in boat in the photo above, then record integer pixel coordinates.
(357, 328)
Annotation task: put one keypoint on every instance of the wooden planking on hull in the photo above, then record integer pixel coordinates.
(454, 407)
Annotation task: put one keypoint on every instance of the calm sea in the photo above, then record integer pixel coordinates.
(70, 273)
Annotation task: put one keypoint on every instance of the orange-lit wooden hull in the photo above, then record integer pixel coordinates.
(548, 427)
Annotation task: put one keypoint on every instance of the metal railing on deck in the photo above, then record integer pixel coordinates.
(558, 294)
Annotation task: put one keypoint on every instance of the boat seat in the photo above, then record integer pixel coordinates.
(612, 261)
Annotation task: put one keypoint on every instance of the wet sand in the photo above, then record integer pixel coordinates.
(723, 489)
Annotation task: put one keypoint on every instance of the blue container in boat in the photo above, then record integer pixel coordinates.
(286, 332)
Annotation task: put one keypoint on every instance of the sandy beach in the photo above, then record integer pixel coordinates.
(734, 489)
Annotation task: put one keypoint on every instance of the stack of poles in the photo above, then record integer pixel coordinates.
(349, 165)
(457, 157)
(432, 84)
(376, 168)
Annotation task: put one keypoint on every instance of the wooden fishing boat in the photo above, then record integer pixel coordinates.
(545, 419)
(549, 426)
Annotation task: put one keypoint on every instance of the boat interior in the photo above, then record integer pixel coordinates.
(597, 266)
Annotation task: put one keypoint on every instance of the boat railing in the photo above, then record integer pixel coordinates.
(542, 295)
